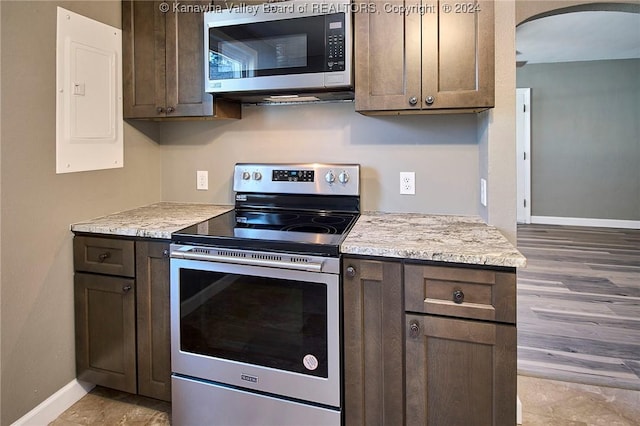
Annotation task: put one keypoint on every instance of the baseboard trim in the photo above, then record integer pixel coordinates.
(580, 221)
(49, 409)
(518, 411)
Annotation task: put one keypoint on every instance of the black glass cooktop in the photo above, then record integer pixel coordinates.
(290, 231)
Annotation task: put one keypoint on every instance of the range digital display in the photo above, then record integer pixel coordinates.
(293, 176)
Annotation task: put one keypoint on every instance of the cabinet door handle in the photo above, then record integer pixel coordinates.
(414, 329)
(160, 110)
(104, 256)
(351, 271)
(413, 101)
(458, 296)
(165, 253)
(429, 100)
(126, 288)
(170, 110)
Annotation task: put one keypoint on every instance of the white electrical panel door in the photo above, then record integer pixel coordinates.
(89, 134)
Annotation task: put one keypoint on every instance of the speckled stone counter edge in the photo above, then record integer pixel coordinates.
(157, 220)
(442, 238)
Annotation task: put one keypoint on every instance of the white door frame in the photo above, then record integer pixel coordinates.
(523, 154)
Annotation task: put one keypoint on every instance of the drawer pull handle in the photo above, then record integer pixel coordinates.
(458, 296)
(126, 288)
(104, 256)
(414, 329)
(351, 271)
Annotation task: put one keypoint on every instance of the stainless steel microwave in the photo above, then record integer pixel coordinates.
(294, 46)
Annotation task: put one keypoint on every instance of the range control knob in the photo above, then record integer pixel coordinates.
(246, 175)
(343, 177)
(330, 177)
(257, 175)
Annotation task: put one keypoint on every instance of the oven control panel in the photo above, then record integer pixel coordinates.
(293, 175)
(312, 178)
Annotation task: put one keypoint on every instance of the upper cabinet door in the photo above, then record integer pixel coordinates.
(143, 54)
(434, 56)
(163, 62)
(185, 63)
(458, 55)
(387, 59)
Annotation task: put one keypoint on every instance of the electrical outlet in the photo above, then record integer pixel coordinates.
(483, 192)
(202, 180)
(408, 183)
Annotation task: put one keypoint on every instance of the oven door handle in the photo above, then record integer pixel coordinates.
(302, 266)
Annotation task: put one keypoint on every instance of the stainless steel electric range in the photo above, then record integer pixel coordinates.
(255, 300)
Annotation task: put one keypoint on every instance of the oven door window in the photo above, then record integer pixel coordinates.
(290, 46)
(275, 323)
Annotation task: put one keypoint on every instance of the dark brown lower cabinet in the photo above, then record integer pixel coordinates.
(373, 342)
(459, 372)
(406, 366)
(105, 331)
(153, 323)
(122, 321)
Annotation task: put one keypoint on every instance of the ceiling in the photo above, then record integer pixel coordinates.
(579, 36)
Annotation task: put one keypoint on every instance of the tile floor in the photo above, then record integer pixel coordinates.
(545, 403)
(553, 403)
(104, 406)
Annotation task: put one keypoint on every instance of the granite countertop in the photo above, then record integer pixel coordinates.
(153, 221)
(443, 238)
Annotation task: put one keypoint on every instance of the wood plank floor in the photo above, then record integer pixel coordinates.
(579, 305)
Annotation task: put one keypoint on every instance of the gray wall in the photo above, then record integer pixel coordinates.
(442, 150)
(36, 324)
(585, 143)
(496, 132)
(0, 215)
(448, 154)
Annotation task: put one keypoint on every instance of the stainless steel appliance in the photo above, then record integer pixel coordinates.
(255, 300)
(289, 47)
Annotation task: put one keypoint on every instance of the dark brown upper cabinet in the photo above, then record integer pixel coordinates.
(163, 63)
(424, 57)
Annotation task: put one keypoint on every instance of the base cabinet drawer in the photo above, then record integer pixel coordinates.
(482, 294)
(108, 256)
